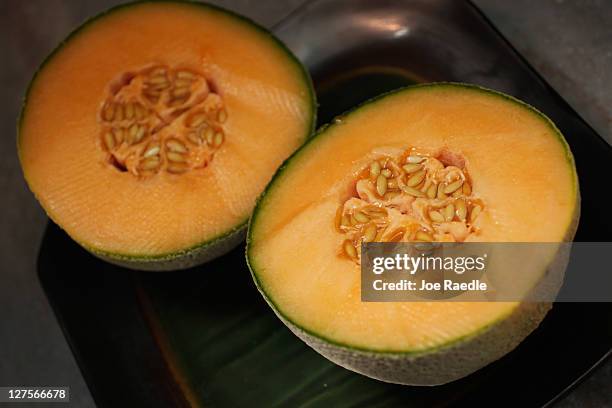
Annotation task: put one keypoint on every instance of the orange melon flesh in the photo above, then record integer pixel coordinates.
(519, 164)
(270, 112)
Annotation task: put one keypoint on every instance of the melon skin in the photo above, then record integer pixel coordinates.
(438, 366)
(209, 248)
(462, 356)
(181, 260)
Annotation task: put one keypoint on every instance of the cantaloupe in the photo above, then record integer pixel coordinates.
(148, 134)
(440, 162)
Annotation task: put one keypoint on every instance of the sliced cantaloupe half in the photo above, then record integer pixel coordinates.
(439, 162)
(149, 133)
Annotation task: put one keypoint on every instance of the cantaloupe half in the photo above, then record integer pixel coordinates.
(389, 171)
(149, 133)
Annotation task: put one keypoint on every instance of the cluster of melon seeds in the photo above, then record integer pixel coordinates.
(412, 198)
(161, 119)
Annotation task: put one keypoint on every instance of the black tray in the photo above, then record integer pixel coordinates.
(206, 337)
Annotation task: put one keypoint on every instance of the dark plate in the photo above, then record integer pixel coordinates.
(206, 336)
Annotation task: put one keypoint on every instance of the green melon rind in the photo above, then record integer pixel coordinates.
(457, 357)
(440, 365)
(184, 259)
(210, 248)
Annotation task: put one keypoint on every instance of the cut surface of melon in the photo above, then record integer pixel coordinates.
(150, 132)
(305, 236)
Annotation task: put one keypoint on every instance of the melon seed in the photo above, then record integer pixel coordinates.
(361, 217)
(381, 185)
(150, 163)
(119, 135)
(411, 167)
(180, 91)
(374, 211)
(416, 178)
(129, 110)
(108, 113)
(441, 195)
(158, 80)
(413, 191)
(425, 186)
(436, 216)
(475, 213)
(449, 212)
(176, 168)
(381, 232)
(136, 133)
(345, 221)
(218, 139)
(185, 75)
(176, 157)
(210, 136)
(109, 140)
(151, 151)
(222, 116)
(194, 138)
(423, 236)
(349, 249)
(396, 235)
(414, 159)
(452, 187)
(390, 195)
(461, 210)
(431, 191)
(196, 120)
(375, 169)
(118, 112)
(175, 145)
(369, 233)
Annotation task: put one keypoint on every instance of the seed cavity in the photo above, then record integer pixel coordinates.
(415, 197)
(162, 119)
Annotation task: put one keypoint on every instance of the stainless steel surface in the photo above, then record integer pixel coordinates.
(568, 41)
